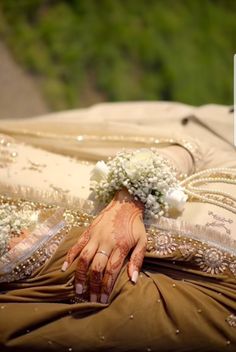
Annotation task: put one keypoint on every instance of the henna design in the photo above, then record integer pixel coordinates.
(82, 267)
(77, 248)
(96, 279)
(108, 281)
(85, 237)
(219, 221)
(123, 221)
(137, 259)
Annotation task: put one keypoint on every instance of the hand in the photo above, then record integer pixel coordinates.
(103, 247)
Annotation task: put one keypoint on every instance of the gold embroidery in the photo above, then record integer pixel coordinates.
(211, 260)
(231, 320)
(163, 244)
(41, 243)
(232, 267)
(181, 241)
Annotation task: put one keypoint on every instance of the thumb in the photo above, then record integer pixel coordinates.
(136, 260)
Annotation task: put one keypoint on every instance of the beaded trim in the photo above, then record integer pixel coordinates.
(197, 244)
(207, 249)
(39, 246)
(189, 144)
(231, 320)
(26, 267)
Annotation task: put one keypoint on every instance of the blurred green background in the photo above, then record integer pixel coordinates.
(86, 51)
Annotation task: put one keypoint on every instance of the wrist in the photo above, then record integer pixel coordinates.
(123, 196)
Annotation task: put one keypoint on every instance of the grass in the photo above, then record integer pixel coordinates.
(85, 51)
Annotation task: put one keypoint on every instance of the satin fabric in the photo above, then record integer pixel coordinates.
(171, 308)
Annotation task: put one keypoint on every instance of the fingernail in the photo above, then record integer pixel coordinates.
(79, 289)
(104, 298)
(134, 278)
(93, 297)
(64, 266)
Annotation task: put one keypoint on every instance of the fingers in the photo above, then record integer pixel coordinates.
(85, 259)
(113, 268)
(76, 249)
(96, 273)
(136, 260)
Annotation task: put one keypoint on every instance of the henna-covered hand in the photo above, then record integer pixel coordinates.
(103, 247)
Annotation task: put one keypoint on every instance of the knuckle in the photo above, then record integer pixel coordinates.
(83, 262)
(96, 267)
(96, 270)
(108, 274)
(96, 276)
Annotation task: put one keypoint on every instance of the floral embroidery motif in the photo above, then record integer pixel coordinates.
(180, 242)
(231, 320)
(211, 260)
(164, 244)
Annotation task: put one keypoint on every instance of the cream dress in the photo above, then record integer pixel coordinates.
(49, 159)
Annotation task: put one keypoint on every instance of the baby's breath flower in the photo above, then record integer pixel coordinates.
(12, 222)
(147, 176)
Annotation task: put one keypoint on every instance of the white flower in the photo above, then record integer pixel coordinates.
(146, 175)
(151, 199)
(99, 172)
(142, 158)
(176, 198)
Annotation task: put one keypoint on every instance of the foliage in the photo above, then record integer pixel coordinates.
(85, 51)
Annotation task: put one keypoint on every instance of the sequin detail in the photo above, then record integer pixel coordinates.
(164, 244)
(231, 320)
(232, 267)
(211, 260)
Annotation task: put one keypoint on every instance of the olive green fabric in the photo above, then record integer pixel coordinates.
(171, 308)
